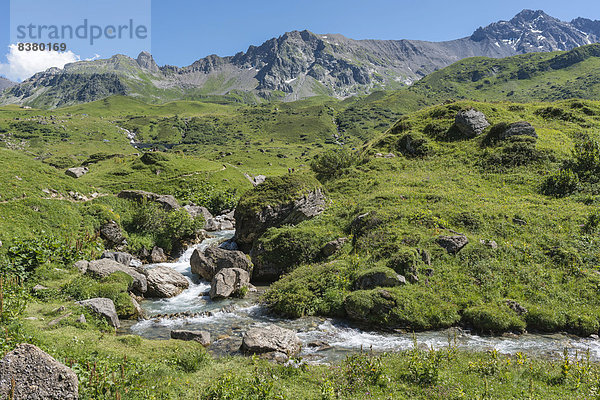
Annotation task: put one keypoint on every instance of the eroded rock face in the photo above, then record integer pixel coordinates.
(197, 211)
(104, 267)
(168, 202)
(271, 338)
(228, 282)
(118, 256)
(165, 282)
(77, 172)
(112, 234)
(103, 307)
(36, 376)
(471, 122)
(452, 244)
(201, 337)
(213, 259)
(252, 224)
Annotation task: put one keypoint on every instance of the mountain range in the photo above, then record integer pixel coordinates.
(298, 65)
(5, 83)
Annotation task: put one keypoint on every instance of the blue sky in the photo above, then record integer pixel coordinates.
(184, 31)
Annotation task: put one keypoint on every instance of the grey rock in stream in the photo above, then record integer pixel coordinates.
(165, 282)
(229, 282)
(209, 262)
(271, 338)
(36, 376)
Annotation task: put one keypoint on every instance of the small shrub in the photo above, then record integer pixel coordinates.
(560, 184)
(592, 223)
(190, 360)
(334, 162)
(414, 145)
(405, 262)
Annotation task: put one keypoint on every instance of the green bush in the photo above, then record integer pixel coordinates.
(114, 287)
(515, 151)
(311, 290)
(414, 145)
(334, 162)
(405, 262)
(491, 319)
(289, 246)
(586, 159)
(231, 386)
(547, 319)
(561, 183)
(582, 324)
(204, 194)
(166, 228)
(401, 308)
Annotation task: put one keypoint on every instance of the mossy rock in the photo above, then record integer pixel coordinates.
(405, 262)
(493, 319)
(379, 277)
(284, 200)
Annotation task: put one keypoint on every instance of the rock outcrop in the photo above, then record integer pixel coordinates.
(229, 282)
(452, 244)
(103, 307)
(288, 200)
(168, 202)
(77, 172)
(164, 282)
(201, 337)
(271, 338)
(104, 267)
(213, 259)
(29, 373)
(112, 234)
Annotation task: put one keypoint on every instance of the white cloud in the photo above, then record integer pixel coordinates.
(23, 64)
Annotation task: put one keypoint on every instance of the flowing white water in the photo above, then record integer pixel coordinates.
(228, 326)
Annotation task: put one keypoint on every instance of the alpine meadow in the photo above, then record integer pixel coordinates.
(315, 218)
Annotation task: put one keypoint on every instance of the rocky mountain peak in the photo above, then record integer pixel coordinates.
(146, 61)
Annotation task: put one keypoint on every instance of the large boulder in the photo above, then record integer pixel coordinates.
(168, 202)
(103, 307)
(228, 282)
(286, 200)
(104, 267)
(197, 211)
(210, 261)
(271, 338)
(201, 337)
(36, 375)
(77, 172)
(452, 244)
(112, 234)
(165, 282)
(470, 122)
